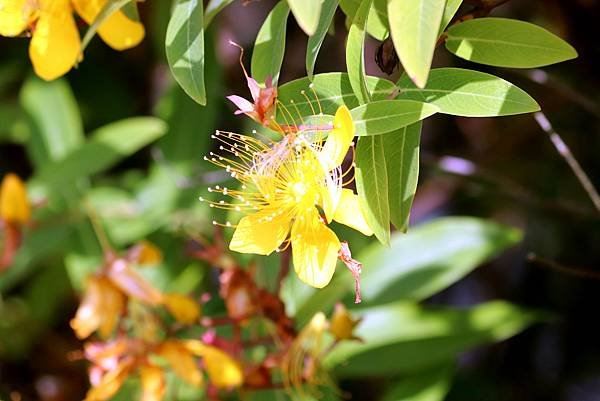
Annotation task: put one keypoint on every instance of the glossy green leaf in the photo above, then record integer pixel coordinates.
(314, 42)
(469, 93)
(372, 185)
(414, 28)
(106, 146)
(428, 259)
(377, 21)
(389, 115)
(401, 149)
(431, 257)
(54, 119)
(185, 47)
(213, 8)
(504, 42)
(406, 337)
(429, 385)
(109, 8)
(355, 52)
(449, 10)
(307, 13)
(331, 90)
(269, 46)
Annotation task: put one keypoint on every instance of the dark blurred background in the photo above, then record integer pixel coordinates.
(501, 168)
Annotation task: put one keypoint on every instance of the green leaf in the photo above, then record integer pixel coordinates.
(109, 8)
(106, 146)
(190, 126)
(269, 46)
(372, 185)
(377, 21)
(406, 337)
(401, 151)
(431, 257)
(185, 48)
(53, 115)
(429, 385)
(506, 42)
(307, 14)
(469, 93)
(331, 89)
(388, 115)
(314, 42)
(449, 10)
(213, 8)
(355, 53)
(414, 27)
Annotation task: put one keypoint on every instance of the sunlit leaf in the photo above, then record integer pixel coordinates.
(469, 93)
(355, 52)
(401, 150)
(106, 146)
(331, 90)
(54, 119)
(504, 42)
(405, 337)
(372, 185)
(307, 14)
(185, 47)
(431, 257)
(377, 22)
(414, 28)
(269, 46)
(384, 116)
(449, 10)
(314, 42)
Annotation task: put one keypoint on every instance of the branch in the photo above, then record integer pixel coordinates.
(565, 152)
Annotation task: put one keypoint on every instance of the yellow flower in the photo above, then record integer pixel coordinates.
(14, 204)
(55, 44)
(342, 324)
(284, 187)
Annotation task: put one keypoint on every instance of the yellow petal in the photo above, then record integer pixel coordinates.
(118, 31)
(330, 196)
(183, 308)
(145, 253)
(14, 206)
(314, 250)
(339, 139)
(153, 383)
(349, 213)
(55, 45)
(100, 309)
(222, 369)
(110, 383)
(260, 233)
(14, 17)
(181, 361)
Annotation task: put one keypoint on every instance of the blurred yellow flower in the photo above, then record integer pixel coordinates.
(14, 204)
(105, 298)
(284, 187)
(342, 324)
(55, 44)
(183, 308)
(223, 371)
